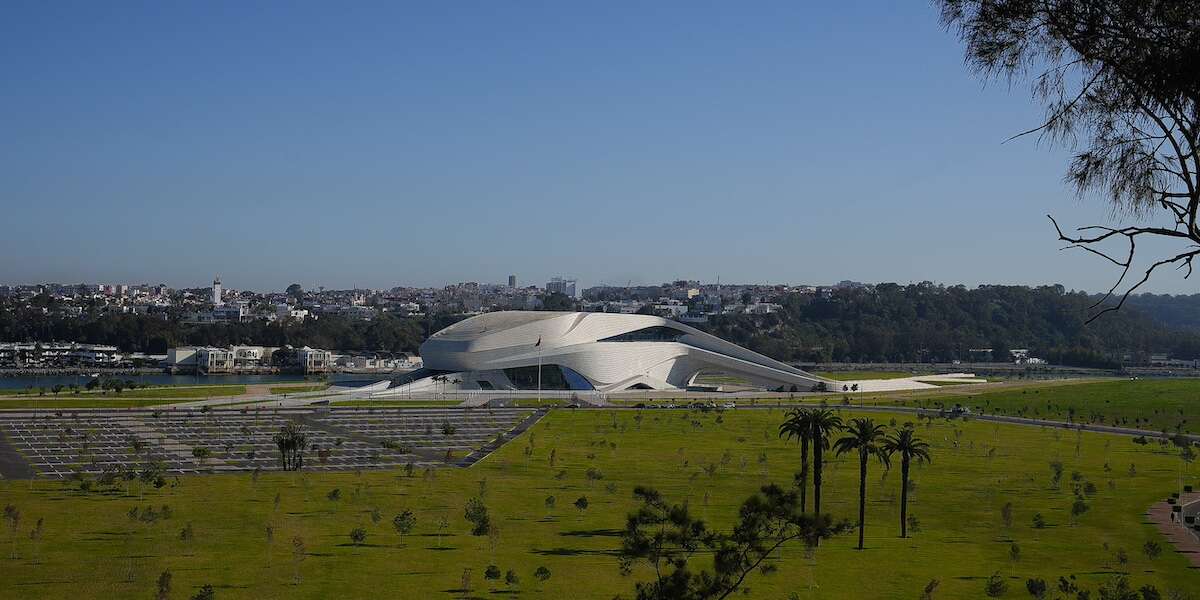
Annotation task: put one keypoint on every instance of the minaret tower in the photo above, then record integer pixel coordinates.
(216, 299)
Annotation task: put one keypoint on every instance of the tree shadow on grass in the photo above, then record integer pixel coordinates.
(441, 548)
(40, 582)
(592, 533)
(462, 594)
(573, 552)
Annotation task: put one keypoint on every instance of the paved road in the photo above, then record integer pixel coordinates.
(12, 464)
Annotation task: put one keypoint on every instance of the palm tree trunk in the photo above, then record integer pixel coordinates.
(904, 497)
(816, 476)
(803, 472)
(862, 496)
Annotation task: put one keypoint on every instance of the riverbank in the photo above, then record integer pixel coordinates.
(159, 379)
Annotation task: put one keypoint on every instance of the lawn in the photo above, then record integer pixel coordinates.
(81, 401)
(861, 375)
(92, 549)
(170, 392)
(1154, 404)
(396, 403)
(297, 389)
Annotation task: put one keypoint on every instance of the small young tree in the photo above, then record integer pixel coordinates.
(442, 524)
(201, 454)
(1056, 474)
(12, 518)
(187, 533)
(464, 583)
(1036, 587)
(1151, 549)
(930, 588)
(206, 593)
(164, 586)
(476, 513)
(542, 574)
(582, 504)
(1006, 514)
(511, 579)
(35, 537)
(995, 586)
(1078, 508)
(298, 553)
(404, 523)
(358, 536)
(492, 573)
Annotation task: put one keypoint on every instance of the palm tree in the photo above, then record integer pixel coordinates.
(867, 438)
(824, 423)
(798, 424)
(910, 447)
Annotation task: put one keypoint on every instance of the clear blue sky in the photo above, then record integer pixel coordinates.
(377, 144)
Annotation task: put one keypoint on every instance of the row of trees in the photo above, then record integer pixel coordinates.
(816, 427)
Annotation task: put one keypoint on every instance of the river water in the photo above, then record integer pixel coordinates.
(49, 381)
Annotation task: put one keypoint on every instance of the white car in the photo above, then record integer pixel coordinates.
(729, 405)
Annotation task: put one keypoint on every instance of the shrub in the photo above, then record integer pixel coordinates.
(995, 586)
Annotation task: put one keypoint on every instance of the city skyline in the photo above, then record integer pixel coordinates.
(539, 284)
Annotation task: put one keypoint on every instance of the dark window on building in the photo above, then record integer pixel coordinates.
(657, 333)
(554, 377)
(485, 385)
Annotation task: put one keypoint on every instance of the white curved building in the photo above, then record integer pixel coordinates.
(586, 351)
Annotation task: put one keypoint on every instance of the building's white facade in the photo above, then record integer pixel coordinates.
(587, 351)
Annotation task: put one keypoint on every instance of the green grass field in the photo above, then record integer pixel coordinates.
(297, 389)
(1153, 404)
(166, 392)
(860, 375)
(396, 403)
(52, 403)
(92, 549)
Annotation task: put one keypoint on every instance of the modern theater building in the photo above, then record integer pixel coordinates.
(585, 351)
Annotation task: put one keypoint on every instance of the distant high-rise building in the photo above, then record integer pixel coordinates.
(562, 286)
(512, 282)
(216, 298)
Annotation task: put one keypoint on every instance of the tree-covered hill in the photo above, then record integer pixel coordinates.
(927, 322)
(1180, 312)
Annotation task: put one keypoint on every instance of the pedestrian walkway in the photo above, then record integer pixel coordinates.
(1185, 541)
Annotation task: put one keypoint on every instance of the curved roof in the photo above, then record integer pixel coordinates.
(583, 341)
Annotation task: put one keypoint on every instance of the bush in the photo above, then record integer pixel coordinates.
(995, 586)
(1036, 588)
